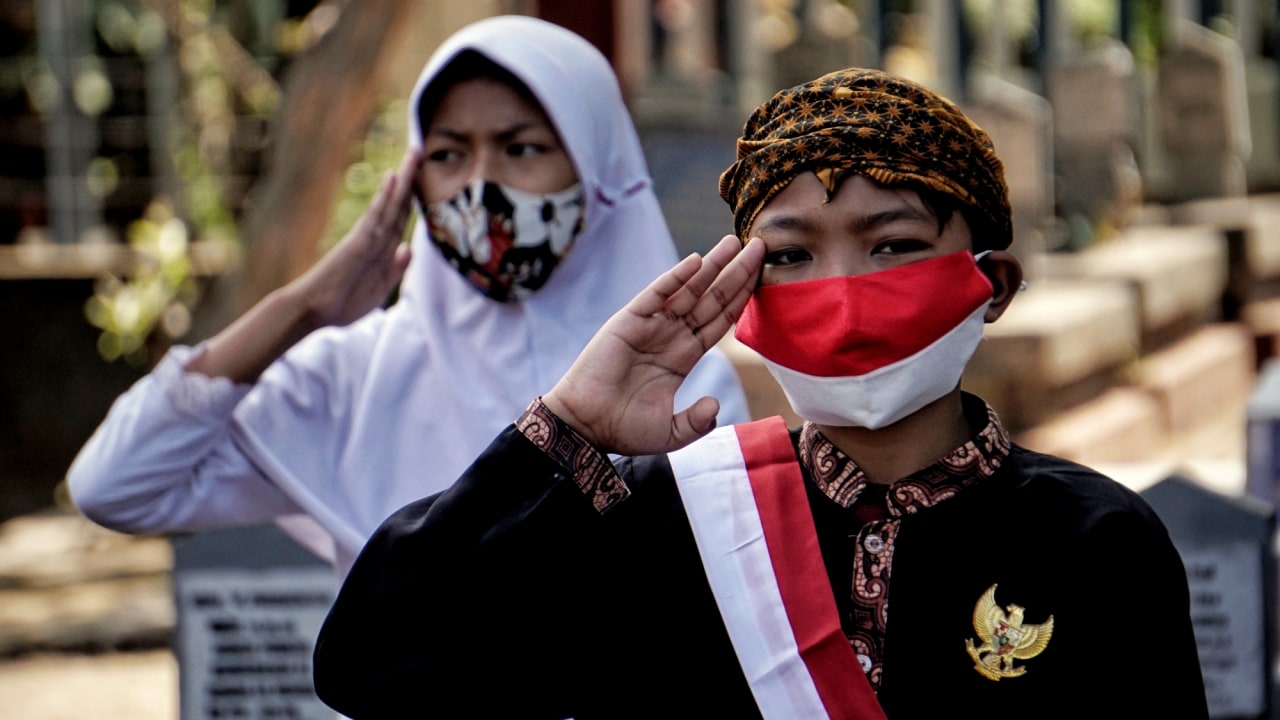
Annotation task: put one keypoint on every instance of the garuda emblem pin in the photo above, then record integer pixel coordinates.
(1004, 637)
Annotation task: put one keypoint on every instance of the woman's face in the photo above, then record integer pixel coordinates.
(485, 129)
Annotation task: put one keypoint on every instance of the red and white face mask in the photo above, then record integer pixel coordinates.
(869, 350)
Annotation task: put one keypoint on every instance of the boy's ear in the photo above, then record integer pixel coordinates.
(1005, 272)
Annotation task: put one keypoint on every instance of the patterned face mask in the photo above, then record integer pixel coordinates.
(505, 241)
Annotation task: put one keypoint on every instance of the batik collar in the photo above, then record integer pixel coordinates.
(841, 480)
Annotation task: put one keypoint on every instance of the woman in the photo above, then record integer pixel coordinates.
(322, 412)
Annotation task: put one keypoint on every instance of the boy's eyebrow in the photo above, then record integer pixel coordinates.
(865, 223)
(860, 223)
(795, 223)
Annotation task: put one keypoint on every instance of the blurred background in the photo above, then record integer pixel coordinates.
(166, 163)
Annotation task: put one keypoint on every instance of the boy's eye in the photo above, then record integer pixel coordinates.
(788, 256)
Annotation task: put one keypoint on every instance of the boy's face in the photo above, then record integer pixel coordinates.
(862, 229)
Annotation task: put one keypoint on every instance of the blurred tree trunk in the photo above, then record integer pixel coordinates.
(326, 107)
(329, 97)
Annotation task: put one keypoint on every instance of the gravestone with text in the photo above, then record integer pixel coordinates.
(250, 602)
(1227, 548)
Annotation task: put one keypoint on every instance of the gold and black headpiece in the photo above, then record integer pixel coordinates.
(870, 123)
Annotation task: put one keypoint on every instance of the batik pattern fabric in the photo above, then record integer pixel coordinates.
(590, 469)
(867, 122)
(844, 483)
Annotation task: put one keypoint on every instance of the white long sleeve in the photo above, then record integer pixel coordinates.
(164, 460)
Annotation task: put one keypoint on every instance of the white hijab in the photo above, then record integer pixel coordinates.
(359, 421)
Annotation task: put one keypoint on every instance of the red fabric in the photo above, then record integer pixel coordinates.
(850, 326)
(792, 540)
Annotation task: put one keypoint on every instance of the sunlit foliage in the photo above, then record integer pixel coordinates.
(379, 154)
(223, 80)
(157, 294)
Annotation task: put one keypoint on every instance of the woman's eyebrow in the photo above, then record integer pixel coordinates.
(504, 134)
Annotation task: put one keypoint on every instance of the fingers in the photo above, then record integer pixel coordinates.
(656, 296)
(686, 297)
(385, 219)
(406, 178)
(676, 291)
(705, 294)
(719, 307)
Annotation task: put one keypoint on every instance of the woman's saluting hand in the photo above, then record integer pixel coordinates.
(359, 273)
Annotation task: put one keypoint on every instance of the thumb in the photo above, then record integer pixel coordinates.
(694, 422)
(400, 261)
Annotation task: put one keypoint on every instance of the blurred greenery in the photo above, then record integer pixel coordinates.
(1089, 21)
(156, 297)
(379, 154)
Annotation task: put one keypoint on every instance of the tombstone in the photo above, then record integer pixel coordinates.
(1262, 78)
(673, 69)
(1202, 115)
(250, 603)
(1262, 437)
(823, 39)
(1099, 186)
(1227, 547)
(1020, 125)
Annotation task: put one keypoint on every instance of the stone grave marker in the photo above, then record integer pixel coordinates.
(1020, 125)
(250, 603)
(1227, 547)
(1202, 114)
(1099, 185)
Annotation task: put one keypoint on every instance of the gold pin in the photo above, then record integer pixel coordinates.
(1004, 638)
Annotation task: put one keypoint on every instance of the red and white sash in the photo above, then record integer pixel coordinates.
(744, 495)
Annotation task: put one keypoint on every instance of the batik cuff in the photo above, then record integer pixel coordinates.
(591, 469)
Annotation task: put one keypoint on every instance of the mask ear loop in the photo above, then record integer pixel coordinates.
(1022, 286)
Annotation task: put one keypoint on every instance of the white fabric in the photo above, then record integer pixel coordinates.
(716, 492)
(887, 394)
(355, 422)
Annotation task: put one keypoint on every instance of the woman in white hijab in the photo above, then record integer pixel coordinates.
(323, 412)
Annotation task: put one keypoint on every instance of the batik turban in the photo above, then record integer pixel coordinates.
(874, 124)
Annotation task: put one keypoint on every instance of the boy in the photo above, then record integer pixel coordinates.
(895, 556)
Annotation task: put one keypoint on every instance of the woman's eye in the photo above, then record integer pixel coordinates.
(526, 149)
(789, 256)
(442, 155)
(899, 247)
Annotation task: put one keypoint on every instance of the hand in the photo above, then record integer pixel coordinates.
(620, 392)
(358, 273)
